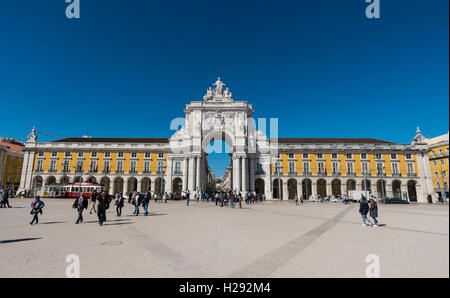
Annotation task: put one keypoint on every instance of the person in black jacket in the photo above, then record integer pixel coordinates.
(103, 205)
(363, 210)
(80, 204)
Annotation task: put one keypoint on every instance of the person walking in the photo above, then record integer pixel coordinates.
(136, 201)
(102, 206)
(80, 204)
(240, 202)
(188, 197)
(373, 207)
(5, 198)
(93, 201)
(296, 200)
(120, 200)
(146, 202)
(363, 210)
(36, 209)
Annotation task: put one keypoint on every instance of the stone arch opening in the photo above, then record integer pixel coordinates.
(145, 184)
(64, 180)
(351, 185)
(381, 189)
(397, 189)
(132, 184)
(217, 149)
(292, 188)
(336, 186)
(276, 188)
(259, 186)
(51, 180)
(91, 179)
(366, 185)
(177, 185)
(306, 188)
(106, 183)
(118, 184)
(160, 185)
(412, 191)
(322, 188)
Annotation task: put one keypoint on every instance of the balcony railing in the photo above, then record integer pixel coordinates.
(337, 174)
(412, 175)
(351, 174)
(178, 172)
(396, 175)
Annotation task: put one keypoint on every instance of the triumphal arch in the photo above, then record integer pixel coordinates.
(220, 117)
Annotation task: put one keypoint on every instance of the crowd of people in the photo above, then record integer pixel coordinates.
(100, 202)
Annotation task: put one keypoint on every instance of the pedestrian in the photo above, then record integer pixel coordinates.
(296, 200)
(363, 210)
(166, 197)
(240, 202)
(136, 201)
(188, 198)
(5, 198)
(119, 203)
(93, 201)
(80, 204)
(373, 207)
(36, 209)
(146, 202)
(102, 206)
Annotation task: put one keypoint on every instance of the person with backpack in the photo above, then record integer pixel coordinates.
(80, 204)
(36, 209)
(363, 210)
(5, 198)
(119, 203)
(373, 207)
(103, 205)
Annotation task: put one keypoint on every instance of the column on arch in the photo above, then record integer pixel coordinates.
(169, 186)
(185, 173)
(252, 171)
(236, 173)
(244, 169)
(198, 171)
(191, 173)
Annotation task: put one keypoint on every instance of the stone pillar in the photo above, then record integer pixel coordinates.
(244, 168)
(198, 185)
(185, 174)
(252, 174)
(169, 175)
(26, 180)
(125, 187)
(191, 174)
(236, 173)
(139, 185)
(285, 193)
(314, 189)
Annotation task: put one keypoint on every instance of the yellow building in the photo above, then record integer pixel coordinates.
(279, 168)
(438, 155)
(11, 161)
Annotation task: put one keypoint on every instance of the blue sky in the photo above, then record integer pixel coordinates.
(127, 68)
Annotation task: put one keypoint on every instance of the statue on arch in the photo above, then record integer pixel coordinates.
(219, 86)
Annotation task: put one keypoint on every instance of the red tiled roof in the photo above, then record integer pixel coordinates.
(13, 147)
(115, 140)
(331, 141)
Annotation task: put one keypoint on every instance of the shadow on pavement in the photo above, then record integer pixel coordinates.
(18, 240)
(52, 222)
